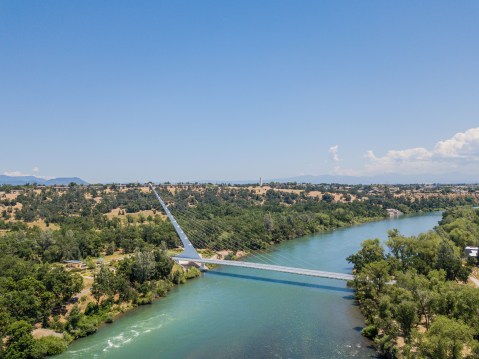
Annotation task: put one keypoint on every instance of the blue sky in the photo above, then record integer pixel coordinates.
(188, 90)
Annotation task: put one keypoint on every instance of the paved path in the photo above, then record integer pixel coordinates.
(85, 291)
(474, 280)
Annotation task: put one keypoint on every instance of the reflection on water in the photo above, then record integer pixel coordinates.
(282, 281)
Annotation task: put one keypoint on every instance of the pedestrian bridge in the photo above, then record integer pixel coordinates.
(191, 255)
(269, 267)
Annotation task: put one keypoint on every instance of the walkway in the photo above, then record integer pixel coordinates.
(275, 268)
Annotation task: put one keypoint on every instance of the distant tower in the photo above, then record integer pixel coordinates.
(260, 182)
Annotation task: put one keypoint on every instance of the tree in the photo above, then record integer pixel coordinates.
(48, 301)
(103, 284)
(61, 283)
(143, 266)
(446, 339)
(110, 248)
(50, 345)
(5, 320)
(371, 251)
(122, 285)
(384, 325)
(406, 315)
(20, 343)
(74, 317)
(448, 260)
(328, 198)
(370, 282)
(460, 302)
(268, 222)
(423, 290)
(164, 264)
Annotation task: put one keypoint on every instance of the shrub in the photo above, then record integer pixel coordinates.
(370, 331)
(51, 345)
(193, 272)
(91, 308)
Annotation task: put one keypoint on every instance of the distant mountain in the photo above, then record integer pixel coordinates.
(65, 181)
(22, 180)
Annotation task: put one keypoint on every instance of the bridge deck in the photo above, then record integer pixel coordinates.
(270, 267)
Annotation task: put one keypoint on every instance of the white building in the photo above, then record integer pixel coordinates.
(471, 251)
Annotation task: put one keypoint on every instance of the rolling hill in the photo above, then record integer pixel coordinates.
(22, 180)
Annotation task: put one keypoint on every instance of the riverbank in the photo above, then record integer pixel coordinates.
(246, 313)
(92, 310)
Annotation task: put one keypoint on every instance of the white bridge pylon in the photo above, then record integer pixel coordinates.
(191, 255)
(189, 250)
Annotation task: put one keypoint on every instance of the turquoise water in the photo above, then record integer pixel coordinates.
(246, 313)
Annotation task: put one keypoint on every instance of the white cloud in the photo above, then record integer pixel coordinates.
(465, 145)
(458, 153)
(35, 169)
(15, 174)
(333, 153)
(19, 173)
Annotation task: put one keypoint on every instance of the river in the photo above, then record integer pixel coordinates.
(244, 313)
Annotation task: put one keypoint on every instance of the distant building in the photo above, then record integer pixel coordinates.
(61, 188)
(76, 264)
(99, 262)
(394, 212)
(471, 251)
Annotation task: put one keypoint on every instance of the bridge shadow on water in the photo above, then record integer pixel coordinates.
(287, 282)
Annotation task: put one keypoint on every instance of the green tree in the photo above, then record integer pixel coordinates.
(163, 264)
(5, 321)
(144, 266)
(446, 339)
(268, 222)
(20, 343)
(370, 284)
(423, 290)
(50, 345)
(406, 315)
(103, 284)
(74, 317)
(110, 248)
(328, 198)
(448, 260)
(61, 283)
(371, 251)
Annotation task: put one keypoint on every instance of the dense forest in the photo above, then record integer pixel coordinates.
(428, 311)
(42, 227)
